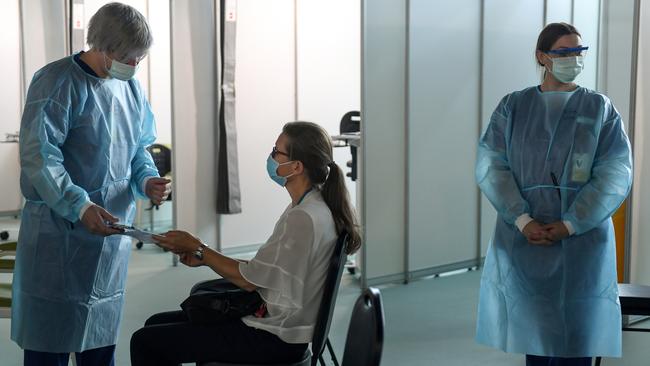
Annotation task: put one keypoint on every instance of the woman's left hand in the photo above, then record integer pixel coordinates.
(178, 241)
(556, 231)
(190, 260)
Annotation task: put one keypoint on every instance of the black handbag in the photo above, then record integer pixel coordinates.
(219, 301)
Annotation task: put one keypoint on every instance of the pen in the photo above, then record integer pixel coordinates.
(555, 183)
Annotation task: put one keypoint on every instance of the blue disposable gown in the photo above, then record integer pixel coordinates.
(81, 138)
(560, 300)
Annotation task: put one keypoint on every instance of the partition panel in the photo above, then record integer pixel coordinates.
(640, 250)
(264, 85)
(586, 16)
(10, 105)
(443, 111)
(383, 134)
(510, 35)
(559, 11)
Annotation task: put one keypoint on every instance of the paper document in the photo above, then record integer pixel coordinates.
(140, 235)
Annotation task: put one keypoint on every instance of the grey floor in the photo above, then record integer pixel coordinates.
(428, 322)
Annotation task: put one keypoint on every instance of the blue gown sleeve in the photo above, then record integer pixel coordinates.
(43, 130)
(142, 165)
(611, 178)
(493, 173)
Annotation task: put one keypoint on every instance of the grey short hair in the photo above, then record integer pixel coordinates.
(121, 30)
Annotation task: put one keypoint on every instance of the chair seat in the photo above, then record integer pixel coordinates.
(306, 361)
(635, 299)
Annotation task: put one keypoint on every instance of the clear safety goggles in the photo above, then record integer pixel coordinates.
(135, 61)
(569, 52)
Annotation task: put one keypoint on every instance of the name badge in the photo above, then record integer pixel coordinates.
(581, 167)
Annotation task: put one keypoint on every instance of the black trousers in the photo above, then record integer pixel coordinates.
(170, 339)
(557, 361)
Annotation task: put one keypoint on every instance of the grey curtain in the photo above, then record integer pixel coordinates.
(228, 192)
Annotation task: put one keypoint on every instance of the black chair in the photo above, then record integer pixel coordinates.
(351, 123)
(325, 312)
(365, 338)
(162, 158)
(635, 300)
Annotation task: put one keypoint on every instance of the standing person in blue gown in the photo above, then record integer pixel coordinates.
(555, 163)
(83, 138)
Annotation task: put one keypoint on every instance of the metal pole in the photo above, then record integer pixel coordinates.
(479, 202)
(407, 191)
(172, 104)
(364, 126)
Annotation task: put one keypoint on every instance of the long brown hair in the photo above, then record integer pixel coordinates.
(310, 144)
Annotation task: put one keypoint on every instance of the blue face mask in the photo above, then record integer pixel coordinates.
(272, 169)
(120, 70)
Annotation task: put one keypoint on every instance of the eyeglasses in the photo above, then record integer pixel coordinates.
(275, 152)
(135, 60)
(569, 52)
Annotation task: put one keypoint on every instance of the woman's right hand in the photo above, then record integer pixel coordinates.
(535, 234)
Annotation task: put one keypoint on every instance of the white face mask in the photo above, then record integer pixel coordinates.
(566, 69)
(120, 70)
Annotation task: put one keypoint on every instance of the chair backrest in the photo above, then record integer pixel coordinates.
(330, 290)
(351, 122)
(162, 158)
(366, 332)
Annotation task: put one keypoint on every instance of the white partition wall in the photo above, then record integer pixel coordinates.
(559, 11)
(616, 54)
(44, 34)
(264, 85)
(640, 249)
(508, 65)
(463, 57)
(194, 96)
(10, 105)
(159, 69)
(296, 60)
(383, 135)
(443, 110)
(586, 15)
(328, 66)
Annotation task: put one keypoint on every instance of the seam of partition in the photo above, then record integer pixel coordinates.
(217, 16)
(364, 126)
(545, 13)
(407, 122)
(295, 60)
(172, 104)
(573, 11)
(598, 42)
(603, 47)
(631, 124)
(149, 89)
(479, 203)
(21, 44)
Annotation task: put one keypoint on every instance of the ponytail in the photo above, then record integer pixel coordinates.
(311, 144)
(336, 196)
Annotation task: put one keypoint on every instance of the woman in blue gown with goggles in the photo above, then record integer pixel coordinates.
(555, 163)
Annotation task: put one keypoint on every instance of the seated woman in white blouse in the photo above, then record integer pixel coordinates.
(288, 271)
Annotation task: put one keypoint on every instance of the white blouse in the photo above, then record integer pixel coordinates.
(290, 269)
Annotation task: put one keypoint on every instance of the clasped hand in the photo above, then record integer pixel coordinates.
(540, 234)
